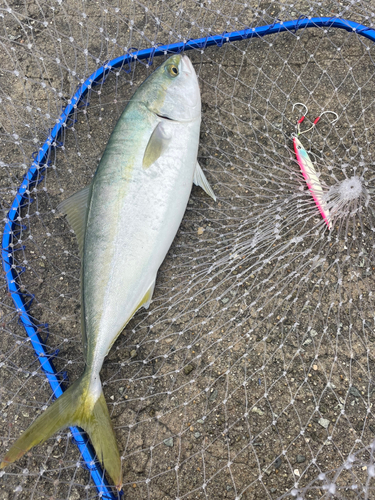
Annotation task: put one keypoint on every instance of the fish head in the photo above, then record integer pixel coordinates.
(173, 90)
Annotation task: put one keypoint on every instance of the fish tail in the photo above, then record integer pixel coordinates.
(77, 406)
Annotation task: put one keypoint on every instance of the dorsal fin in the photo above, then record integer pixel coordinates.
(75, 209)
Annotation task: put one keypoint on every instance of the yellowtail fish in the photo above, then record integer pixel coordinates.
(125, 222)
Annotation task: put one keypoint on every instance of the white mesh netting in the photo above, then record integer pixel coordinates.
(251, 375)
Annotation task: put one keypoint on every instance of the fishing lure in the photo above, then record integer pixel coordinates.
(307, 168)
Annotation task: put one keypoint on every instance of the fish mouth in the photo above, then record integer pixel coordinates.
(186, 65)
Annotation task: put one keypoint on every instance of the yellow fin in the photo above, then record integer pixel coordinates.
(97, 423)
(146, 301)
(75, 209)
(157, 144)
(74, 407)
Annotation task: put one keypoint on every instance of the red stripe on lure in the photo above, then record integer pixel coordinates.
(312, 180)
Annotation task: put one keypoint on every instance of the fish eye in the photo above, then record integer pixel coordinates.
(173, 70)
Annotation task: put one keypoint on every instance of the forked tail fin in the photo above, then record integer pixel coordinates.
(78, 407)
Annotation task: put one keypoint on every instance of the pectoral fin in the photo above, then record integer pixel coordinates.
(201, 181)
(157, 144)
(75, 209)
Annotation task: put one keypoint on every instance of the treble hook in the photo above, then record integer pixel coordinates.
(316, 119)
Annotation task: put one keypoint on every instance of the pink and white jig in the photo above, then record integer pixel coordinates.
(307, 168)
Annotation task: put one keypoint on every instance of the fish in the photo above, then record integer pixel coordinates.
(125, 222)
(312, 180)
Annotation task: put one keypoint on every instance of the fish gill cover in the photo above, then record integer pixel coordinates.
(251, 374)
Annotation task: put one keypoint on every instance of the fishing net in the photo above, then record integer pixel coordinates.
(251, 374)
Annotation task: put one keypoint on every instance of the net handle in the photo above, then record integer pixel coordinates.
(41, 161)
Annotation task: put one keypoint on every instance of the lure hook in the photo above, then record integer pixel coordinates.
(316, 119)
(303, 105)
(302, 117)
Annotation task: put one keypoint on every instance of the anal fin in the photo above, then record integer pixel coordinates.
(146, 300)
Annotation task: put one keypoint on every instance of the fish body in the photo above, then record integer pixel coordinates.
(134, 214)
(312, 180)
(125, 222)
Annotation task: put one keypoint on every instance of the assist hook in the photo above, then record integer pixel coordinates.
(316, 119)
